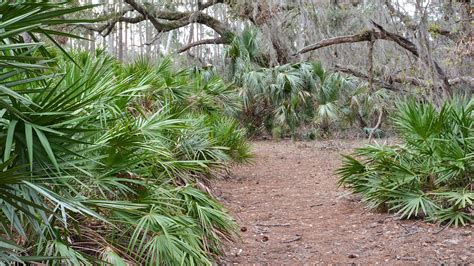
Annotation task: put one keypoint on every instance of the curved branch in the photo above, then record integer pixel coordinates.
(201, 42)
(177, 19)
(402, 41)
(106, 28)
(365, 36)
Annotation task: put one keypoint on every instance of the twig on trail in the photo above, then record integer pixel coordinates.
(273, 225)
(407, 258)
(409, 233)
(441, 230)
(412, 233)
(301, 218)
(292, 240)
(406, 229)
(260, 231)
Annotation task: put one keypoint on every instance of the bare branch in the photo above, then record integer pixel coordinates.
(142, 10)
(364, 36)
(360, 37)
(105, 29)
(201, 42)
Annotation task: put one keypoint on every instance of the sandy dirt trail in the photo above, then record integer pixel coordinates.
(291, 212)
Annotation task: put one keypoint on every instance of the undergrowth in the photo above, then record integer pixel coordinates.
(430, 174)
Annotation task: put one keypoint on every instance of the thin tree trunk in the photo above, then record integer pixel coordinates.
(140, 33)
(120, 41)
(371, 63)
(92, 41)
(125, 50)
(148, 38)
(168, 42)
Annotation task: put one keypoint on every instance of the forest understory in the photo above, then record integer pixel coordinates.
(291, 211)
(220, 132)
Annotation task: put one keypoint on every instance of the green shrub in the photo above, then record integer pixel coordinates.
(276, 133)
(430, 174)
(101, 161)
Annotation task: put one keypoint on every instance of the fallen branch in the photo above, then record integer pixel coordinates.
(442, 229)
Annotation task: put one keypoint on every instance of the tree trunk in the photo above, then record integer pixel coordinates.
(120, 41)
(125, 50)
(148, 38)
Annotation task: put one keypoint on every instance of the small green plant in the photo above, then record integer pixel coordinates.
(276, 133)
(312, 134)
(430, 174)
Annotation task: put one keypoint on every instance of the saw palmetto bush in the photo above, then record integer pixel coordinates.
(285, 98)
(291, 95)
(101, 162)
(430, 174)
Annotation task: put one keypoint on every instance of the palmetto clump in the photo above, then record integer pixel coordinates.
(430, 174)
(101, 161)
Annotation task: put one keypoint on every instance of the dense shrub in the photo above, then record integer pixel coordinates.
(103, 161)
(430, 174)
(298, 99)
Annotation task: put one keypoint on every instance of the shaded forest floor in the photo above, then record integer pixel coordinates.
(291, 212)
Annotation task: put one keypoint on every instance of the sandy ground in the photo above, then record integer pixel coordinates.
(291, 212)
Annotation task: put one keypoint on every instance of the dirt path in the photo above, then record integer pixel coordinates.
(291, 212)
